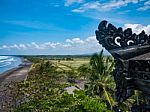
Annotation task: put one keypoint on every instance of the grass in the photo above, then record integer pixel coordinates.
(75, 63)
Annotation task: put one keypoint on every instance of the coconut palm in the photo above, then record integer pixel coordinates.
(84, 71)
(101, 82)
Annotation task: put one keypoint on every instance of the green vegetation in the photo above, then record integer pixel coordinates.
(100, 81)
(45, 89)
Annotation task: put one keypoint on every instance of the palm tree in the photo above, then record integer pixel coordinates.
(101, 82)
(84, 71)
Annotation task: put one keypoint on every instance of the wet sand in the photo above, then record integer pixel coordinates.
(14, 75)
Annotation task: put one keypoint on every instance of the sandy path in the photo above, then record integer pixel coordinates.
(15, 76)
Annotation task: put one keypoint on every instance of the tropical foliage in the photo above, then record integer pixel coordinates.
(44, 90)
(101, 82)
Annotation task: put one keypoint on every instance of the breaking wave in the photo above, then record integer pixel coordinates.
(8, 62)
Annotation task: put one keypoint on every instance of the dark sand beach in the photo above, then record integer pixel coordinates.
(16, 75)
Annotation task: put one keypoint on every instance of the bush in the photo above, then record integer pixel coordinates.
(44, 91)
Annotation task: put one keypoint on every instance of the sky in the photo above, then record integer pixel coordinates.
(65, 27)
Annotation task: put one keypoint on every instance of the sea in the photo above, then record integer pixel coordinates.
(9, 62)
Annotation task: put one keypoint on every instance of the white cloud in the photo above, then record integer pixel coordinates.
(147, 2)
(68, 40)
(5, 47)
(70, 46)
(90, 5)
(49, 45)
(75, 41)
(35, 45)
(88, 45)
(70, 2)
(14, 46)
(66, 45)
(91, 39)
(74, 45)
(22, 46)
(30, 24)
(137, 28)
(145, 7)
(104, 6)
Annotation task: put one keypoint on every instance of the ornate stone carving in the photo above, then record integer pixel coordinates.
(132, 70)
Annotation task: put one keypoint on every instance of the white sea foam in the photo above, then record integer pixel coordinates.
(5, 64)
(3, 57)
(7, 60)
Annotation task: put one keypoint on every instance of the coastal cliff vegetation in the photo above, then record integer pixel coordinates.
(48, 87)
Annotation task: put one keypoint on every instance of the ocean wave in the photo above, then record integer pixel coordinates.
(4, 57)
(5, 64)
(7, 60)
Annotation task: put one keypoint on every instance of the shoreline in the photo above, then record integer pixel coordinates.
(12, 68)
(16, 74)
(7, 73)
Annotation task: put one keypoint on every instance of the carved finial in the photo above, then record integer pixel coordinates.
(124, 47)
(112, 38)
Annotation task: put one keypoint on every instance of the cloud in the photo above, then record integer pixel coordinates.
(145, 7)
(22, 46)
(48, 45)
(69, 46)
(87, 6)
(34, 45)
(4, 47)
(15, 46)
(70, 2)
(75, 41)
(88, 44)
(137, 28)
(104, 6)
(30, 24)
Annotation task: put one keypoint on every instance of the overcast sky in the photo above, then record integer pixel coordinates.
(64, 26)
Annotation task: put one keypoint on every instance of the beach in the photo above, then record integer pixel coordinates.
(23, 66)
(9, 62)
(13, 75)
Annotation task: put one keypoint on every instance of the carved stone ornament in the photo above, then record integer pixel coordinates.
(132, 58)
